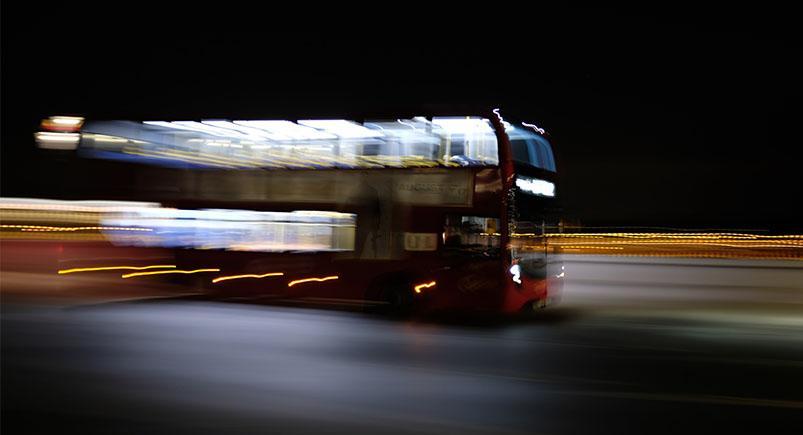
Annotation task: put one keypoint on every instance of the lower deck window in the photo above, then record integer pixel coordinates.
(472, 235)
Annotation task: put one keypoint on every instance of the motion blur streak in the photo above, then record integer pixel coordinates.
(77, 206)
(308, 144)
(62, 220)
(534, 127)
(62, 123)
(54, 229)
(97, 269)
(581, 247)
(240, 230)
(50, 140)
(707, 245)
(162, 272)
(714, 344)
(420, 287)
(227, 278)
(679, 235)
(142, 224)
(301, 281)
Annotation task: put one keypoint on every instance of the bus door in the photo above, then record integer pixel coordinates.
(472, 248)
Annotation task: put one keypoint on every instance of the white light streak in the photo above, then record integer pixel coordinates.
(515, 271)
(342, 128)
(57, 141)
(534, 127)
(535, 186)
(287, 130)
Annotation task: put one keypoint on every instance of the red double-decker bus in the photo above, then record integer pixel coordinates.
(425, 212)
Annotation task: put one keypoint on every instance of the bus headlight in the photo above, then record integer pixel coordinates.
(515, 272)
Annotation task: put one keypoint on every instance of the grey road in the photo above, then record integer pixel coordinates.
(636, 346)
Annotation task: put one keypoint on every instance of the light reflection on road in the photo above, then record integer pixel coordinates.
(706, 344)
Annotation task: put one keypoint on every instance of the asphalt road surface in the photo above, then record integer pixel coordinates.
(636, 346)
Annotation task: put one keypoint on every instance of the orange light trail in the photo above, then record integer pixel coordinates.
(713, 245)
(46, 228)
(96, 269)
(162, 272)
(264, 275)
(419, 287)
(300, 281)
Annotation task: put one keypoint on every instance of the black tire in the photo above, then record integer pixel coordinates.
(533, 308)
(203, 286)
(398, 298)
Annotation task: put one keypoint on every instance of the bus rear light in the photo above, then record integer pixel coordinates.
(57, 141)
(420, 287)
(69, 124)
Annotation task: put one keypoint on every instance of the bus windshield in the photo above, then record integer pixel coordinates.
(531, 149)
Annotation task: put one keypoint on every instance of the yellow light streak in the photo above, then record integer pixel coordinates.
(590, 247)
(162, 272)
(697, 236)
(420, 287)
(300, 281)
(264, 275)
(57, 206)
(668, 244)
(47, 228)
(96, 269)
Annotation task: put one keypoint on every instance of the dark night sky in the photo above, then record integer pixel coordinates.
(662, 118)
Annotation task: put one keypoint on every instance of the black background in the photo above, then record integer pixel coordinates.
(674, 117)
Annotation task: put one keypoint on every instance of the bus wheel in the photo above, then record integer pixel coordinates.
(202, 286)
(533, 307)
(398, 297)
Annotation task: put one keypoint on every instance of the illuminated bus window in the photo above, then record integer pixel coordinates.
(307, 144)
(236, 230)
